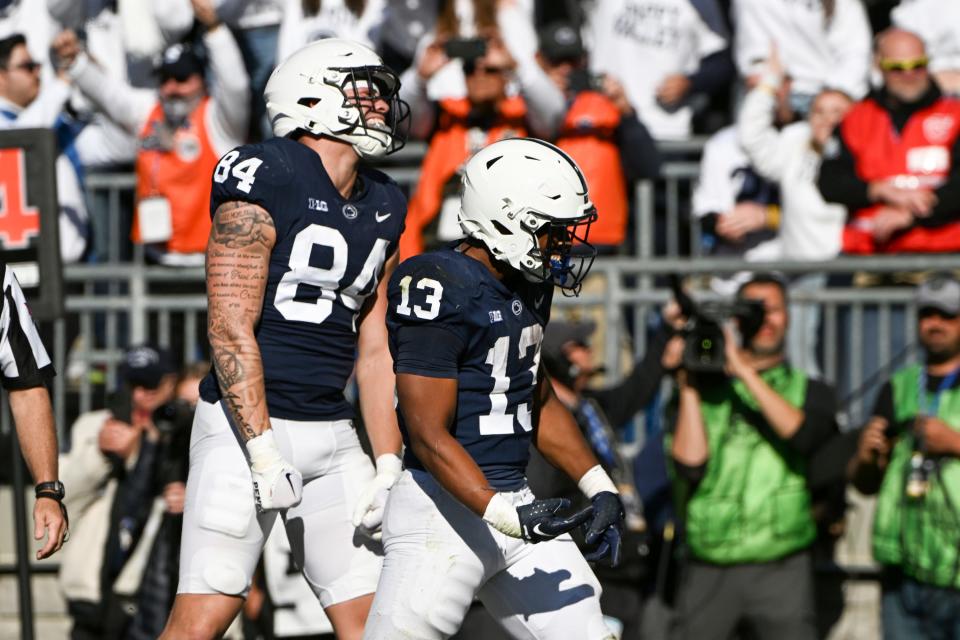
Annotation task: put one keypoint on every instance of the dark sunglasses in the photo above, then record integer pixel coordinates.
(904, 65)
(929, 312)
(470, 68)
(30, 66)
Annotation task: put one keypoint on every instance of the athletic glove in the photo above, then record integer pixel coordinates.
(368, 514)
(602, 533)
(534, 522)
(276, 484)
(541, 521)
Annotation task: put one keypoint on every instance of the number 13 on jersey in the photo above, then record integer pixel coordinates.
(500, 419)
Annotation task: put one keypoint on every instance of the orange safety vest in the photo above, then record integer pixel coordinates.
(449, 149)
(588, 135)
(182, 176)
(920, 154)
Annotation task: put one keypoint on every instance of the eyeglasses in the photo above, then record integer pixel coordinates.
(904, 65)
(29, 66)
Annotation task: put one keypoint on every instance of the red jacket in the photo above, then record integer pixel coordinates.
(919, 155)
(588, 134)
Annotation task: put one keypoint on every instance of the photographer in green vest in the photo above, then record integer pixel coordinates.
(740, 452)
(909, 452)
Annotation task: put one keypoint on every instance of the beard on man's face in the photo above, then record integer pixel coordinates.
(769, 340)
(938, 345)
(765, 349)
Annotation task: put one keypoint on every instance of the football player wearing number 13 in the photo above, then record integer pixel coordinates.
(465, 328)
(304, 239)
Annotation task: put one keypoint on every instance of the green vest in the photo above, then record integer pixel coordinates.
(920, 535)
(752, 504)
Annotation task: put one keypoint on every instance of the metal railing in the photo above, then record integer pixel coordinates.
(659, 204)
(112, 305)
(111, 308)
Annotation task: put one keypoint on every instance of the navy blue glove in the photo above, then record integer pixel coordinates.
(540, 521)
(602, 533)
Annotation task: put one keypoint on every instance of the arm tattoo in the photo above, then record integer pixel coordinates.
(226, 361)
(238, 256)
(233, 403)
(229, 369)
(240, 224)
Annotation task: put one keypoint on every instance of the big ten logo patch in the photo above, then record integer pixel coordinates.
(18, 221)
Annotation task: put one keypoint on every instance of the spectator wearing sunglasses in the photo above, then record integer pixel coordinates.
(909, 456)
(892, 161)
(182, 128)
(27, 102)
(938, 23)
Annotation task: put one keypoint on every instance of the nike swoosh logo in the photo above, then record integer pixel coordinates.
(381, 218)
(537, 530)
(538, 301)
(290, 482)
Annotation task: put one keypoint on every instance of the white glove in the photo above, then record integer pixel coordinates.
(276, 484)
(369, 512)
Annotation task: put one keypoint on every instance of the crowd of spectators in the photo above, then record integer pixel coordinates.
(167, 87)
(833, 129)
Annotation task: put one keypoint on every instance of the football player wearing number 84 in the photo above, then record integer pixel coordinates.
(304, 239)
(465, 329)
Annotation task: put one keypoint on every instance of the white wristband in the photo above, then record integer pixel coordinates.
(263, 451)
(596, 481)
(502, 516)
(389, 464)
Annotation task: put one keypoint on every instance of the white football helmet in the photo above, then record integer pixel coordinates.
(527, 202)
(317, 90)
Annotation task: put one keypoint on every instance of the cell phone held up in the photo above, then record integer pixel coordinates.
(465, 48)
(582, 80)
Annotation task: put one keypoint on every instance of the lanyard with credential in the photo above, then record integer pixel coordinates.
(934, 406)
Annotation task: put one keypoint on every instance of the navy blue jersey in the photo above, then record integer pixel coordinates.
(328, 257)
(495, 330)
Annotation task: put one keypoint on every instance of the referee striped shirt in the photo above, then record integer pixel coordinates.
(24, 362)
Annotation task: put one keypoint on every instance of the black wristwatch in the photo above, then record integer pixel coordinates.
(54, 490)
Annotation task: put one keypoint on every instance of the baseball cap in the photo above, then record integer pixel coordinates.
(145, 365)
(940, 292)
(179, 61)
(561, 41)
(560, 333)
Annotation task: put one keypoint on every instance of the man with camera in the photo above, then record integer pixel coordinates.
(112, 470)
(743, 439)
(908, 454)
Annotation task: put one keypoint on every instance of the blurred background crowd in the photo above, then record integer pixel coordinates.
(807, 130)
(165, 88)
